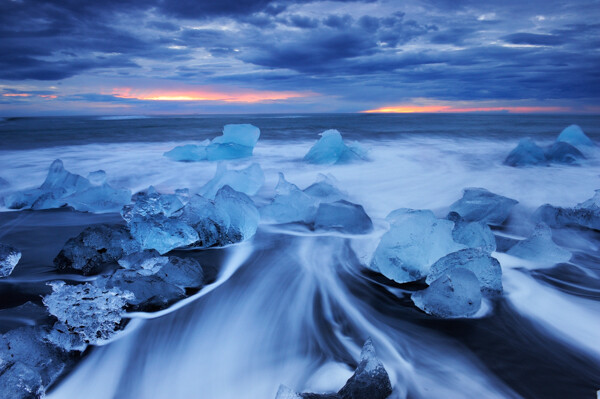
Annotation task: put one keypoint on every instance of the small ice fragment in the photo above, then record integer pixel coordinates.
(145, 262)
(540, 248)
(478, 204)
(454, 294)
(9, 257)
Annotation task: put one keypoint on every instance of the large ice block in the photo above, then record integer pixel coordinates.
(478, 204)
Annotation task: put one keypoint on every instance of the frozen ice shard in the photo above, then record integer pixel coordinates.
(103, 198)
(144, 262)
(91, 313)
(527, 152)
(152, 203)
(575, 136)
(478, 204)
(540, 248)
(290, 204)
(162, 233)
(343, 216)
(472, 234)
(243, 214)
(247, 181)
(330, 149)
(182, 272)
(245, 135)
(324, 190)
(415, 241)
(486, 269)
(455, 293)
(95, 247)
(9, 257)
(210, 222)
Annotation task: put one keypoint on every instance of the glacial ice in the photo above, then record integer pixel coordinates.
(9, 257)
(486, 269)
(182, 272)
(575, 136)
(324, 189)
(330, 149)
(17, 381)
(480, 205)
(151, 203)
(415, 241)
(243, 214)
(91, 313)
(472, 234)
(585, 214)
(247, 181)
(562, 152)
(290, 204)
(162, 233)
(343, 216)
(527, 152)
(237, 141)
(210, 221)
(369, 381)
(540, 248)
(145, 262)
(455, 293)
(62, 188)
(95, 247)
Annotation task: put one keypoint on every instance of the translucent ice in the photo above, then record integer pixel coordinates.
(486, 269)
(526, 153)
(95, 247)
(454, 294)
(162, 233)
(9, 257)
(210, 222)
(290, 204)
(343, 216)
(243, 214)
(586, 214)
(151, 203)
(63, 188)
(17, 381)
(330, 149)
(540, 248)
(415, 241)
(478, 204)
(562, 152)
(144, 262)
(247, 181)
(91, 313)
(182, 272)
(237, 141)
(472, 234)
(325, 190)
(574, 136)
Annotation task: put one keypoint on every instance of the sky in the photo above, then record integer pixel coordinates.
(128, 57)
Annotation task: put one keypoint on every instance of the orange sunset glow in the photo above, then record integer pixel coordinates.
(205, 95)
(407, 109)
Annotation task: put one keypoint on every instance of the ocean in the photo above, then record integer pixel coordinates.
(293, 307)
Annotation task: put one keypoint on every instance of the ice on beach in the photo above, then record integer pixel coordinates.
(243, 215)
(237, 141)
(486, 268)
(247, 181)
(162, 233)
(290, 204)
(540, 248)
(415, 241)
(527, 152)
(455, 293)
(480, 205)
(343, 216)
(585, 214)
(209, 221)
(562, 152)
(17, 381)
(150, 292)
(9, 257)
(472, 234)
(62, 188)
(331, 149)
(182, 272)
(151, 203)
(575, 136)
(144, 262)
(91, 313)
(325, 190)
(95, 247)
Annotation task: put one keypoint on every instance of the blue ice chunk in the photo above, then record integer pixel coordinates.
(97, 178)
(486, 268)
(527, 152)
(454, 294)
(162, 233)
(330, 149)
(182, 272)
(218, 152)
(472, 234)
(93, 314)
(210, 222)
(415, 241)
(324, 190)
(343, 216)
(478, 204)
(144, 262)
(540, 248)
(18, 381)
(242, 134)
(188, 152)
(575, 136)
(562, 152)
(9, 257)
(103, 198)
(290, 204)
(243, 214)
(585, 214)
(151, 203)
(247, 181)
